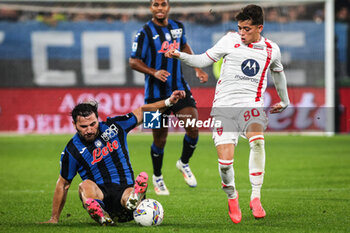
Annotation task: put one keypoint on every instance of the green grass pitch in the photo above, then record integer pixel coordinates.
(306, 187)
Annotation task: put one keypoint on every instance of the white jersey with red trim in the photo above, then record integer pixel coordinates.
(243, 77)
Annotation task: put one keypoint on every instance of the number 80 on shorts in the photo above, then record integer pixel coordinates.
(251, 113)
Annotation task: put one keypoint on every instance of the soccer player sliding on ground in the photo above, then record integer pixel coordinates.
(99, 153)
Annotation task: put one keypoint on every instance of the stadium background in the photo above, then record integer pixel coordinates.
(50, 54)
(56, 54)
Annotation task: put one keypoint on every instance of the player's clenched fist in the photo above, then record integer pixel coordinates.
(172, 53)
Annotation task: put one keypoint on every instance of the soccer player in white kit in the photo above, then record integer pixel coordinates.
(238, 101)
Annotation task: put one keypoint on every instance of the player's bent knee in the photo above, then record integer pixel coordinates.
(86, 184)
(81, 187)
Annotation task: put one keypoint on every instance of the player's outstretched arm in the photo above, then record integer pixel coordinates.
(160, 105)
(59, 199)
(200, 61)
(279, 79)
(139, 65)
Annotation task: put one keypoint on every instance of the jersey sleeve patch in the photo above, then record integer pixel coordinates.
(126, 122)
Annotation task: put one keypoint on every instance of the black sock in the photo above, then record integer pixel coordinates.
(189, 145)
(102, 204)
(157, 159)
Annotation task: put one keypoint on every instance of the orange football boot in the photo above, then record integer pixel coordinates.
(257, 209)
(234, 211)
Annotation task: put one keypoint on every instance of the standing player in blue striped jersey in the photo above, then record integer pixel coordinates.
(99, 153)
(162, 76)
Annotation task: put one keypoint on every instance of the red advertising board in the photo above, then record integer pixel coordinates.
(47, 110)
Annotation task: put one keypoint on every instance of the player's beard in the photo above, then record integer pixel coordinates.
(89, 137)
(161, 20)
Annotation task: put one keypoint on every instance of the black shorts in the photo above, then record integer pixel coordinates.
(188, 101)
(112, 195)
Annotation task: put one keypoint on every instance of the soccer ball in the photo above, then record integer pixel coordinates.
(149, 213)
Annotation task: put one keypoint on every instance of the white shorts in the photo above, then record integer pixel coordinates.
(234, 122)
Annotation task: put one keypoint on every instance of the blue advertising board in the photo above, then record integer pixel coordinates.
(35, 48)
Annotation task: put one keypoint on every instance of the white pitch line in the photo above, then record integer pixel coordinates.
(328, 189)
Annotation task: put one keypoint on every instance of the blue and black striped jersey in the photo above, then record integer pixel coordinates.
(150, 44)
(106, 159)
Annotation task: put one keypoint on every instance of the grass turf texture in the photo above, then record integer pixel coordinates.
(306, 187)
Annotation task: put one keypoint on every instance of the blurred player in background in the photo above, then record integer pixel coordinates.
(99, 153)
(238, 101)
(162, 76)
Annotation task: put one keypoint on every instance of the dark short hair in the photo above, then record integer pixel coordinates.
(84, 110)
(150, 1)
(251, 12)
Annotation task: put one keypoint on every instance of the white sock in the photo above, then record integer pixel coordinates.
(256, 164)
(227, 175)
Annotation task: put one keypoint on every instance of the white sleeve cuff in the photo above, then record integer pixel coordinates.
(167, 102)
